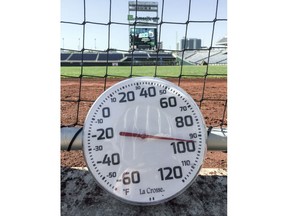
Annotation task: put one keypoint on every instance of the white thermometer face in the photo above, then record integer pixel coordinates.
(144, 140)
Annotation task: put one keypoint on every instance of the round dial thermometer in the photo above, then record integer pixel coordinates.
(144, 140)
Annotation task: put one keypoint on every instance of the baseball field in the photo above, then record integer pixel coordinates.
(80, 87)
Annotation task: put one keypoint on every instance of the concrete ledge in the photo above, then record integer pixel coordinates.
(80, 195)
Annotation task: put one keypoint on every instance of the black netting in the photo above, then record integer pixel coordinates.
(88, 68)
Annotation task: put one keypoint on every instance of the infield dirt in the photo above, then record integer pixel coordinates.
(77, 96)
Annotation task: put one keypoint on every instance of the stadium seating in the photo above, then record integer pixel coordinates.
(197, 57)
(64, 56)
(192, 57)
(137, 56)
(110, 57)
(85, 56)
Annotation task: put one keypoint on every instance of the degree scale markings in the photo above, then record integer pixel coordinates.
(96, 158)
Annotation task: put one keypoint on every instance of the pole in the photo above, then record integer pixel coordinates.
(71, 139)
(78, 43)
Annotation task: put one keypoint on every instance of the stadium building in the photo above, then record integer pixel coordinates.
(192, 43)
(145, 47)
(143, 25)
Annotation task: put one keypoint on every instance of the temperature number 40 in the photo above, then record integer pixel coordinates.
(114, 159)
(151, 92)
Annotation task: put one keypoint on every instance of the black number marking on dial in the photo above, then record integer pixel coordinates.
(182, 147)
(175, 172)
(168, 102)
(133, 178)
(129, 96)
(114, 159)
(107, 133)
(151, 92)
(184, 121)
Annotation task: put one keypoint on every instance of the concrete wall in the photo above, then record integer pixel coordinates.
(80, 195)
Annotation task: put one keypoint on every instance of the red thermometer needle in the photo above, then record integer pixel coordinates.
(145, 136)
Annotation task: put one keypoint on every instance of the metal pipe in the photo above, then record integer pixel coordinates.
(71, 139)
(217, 139)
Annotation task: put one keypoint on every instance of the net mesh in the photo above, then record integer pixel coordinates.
(89, 68)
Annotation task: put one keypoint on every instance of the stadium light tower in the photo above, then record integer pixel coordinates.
(143, 25)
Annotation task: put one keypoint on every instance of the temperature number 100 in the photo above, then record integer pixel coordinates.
(182, 147)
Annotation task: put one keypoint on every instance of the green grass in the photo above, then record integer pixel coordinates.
(124, 71)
